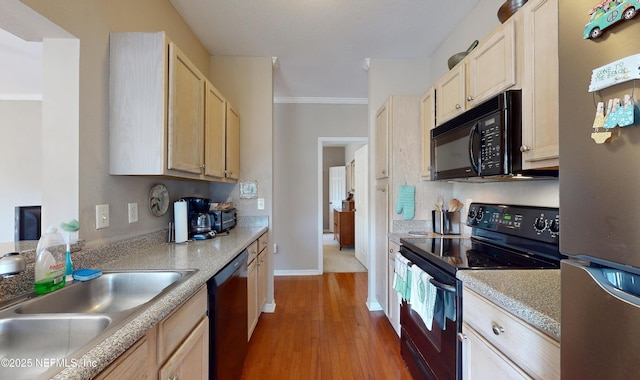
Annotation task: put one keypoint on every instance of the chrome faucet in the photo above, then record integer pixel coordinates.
(11, 264)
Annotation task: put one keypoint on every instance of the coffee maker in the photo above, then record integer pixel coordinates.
(198, 217)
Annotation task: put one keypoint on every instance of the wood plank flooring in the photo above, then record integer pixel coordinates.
(322, 329)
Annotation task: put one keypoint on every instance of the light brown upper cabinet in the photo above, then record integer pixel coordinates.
(214, 132)
(186, 113)
(540, 123)
(166, 119)
(486, 71)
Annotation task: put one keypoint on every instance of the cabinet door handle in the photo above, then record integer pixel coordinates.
(497, 329)
(384, 172)
(525, 148)
(461, 337)
(458, 106)
(469, 98)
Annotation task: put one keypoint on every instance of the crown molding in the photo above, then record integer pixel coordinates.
(319, 100)
(32, 97)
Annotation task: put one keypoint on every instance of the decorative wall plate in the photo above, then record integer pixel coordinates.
(158, 199)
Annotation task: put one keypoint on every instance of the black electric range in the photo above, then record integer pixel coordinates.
(502, 237)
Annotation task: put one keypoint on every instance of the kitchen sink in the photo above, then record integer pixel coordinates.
(31, 345)
(113, 292)
(47, 333)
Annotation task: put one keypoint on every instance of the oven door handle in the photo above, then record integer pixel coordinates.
(441, 286)
(472, 155)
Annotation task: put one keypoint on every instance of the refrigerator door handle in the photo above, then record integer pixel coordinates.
(605, 277)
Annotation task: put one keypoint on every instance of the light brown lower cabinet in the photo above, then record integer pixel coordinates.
(190, 361)
(498, 345)
(177, 347)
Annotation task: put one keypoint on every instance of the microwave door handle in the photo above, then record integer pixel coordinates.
(472, 156)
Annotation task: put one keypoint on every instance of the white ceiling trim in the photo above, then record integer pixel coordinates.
(320, 100)
(34, 97)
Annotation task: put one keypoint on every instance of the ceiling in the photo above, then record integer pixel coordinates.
(321, 45)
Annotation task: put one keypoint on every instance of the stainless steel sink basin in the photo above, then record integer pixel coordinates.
(31, 345)
(113, 292)
(41, 334)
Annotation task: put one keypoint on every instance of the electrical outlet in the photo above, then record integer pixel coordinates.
(102, 216)
(260, 203)
(133, 212)
(275, 248)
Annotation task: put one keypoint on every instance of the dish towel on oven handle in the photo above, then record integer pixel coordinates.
(423, 295)
(402, 277)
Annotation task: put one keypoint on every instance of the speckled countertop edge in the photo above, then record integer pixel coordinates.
(532, 295)
(208, 256)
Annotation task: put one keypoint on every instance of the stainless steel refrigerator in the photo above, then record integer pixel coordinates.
(599, 204)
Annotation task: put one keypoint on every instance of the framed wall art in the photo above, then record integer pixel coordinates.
(248, 189)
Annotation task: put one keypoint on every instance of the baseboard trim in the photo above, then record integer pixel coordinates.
(374, 306)
(302, 272)
(269, 308)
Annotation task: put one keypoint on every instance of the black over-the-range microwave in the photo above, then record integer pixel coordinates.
(483, 143)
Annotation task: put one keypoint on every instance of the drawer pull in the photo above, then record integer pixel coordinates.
(497, 329)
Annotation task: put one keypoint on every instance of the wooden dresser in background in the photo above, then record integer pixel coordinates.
(344, 227)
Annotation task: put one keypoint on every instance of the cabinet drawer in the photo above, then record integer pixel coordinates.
(177, 326)
(530, 349)
(484, 361)
(133, 364)
(253, 251)
(263, 240)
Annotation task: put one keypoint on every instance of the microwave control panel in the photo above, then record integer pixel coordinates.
(491, 150)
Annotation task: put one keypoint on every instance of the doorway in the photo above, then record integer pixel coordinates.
(336, 259)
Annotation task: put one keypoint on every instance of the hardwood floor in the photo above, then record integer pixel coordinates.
(322, 329)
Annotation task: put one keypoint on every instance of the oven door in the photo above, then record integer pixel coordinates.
(435, 353)
(455, 152)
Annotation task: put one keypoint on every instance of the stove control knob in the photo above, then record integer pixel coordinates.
(472, 214)
(479, 214)
(554, 227)
(540, 224)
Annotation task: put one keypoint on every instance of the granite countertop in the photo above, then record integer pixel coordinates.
(396, 236)
(532, 295)
(208, 256)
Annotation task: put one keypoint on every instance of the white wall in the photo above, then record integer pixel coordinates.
(297, 128)
(21, 166)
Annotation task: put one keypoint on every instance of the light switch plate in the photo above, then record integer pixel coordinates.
(102, 216)
(260, 203)
(133, 212)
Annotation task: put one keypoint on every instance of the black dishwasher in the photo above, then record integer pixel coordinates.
(227, 307)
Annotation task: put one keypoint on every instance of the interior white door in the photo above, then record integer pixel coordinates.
(361, 196)
(337, 190)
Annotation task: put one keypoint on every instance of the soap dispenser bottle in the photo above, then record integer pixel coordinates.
(50, 262)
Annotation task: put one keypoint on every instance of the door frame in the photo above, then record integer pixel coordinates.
(322, 142)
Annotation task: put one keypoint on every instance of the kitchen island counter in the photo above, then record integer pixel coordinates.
(532, 295)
